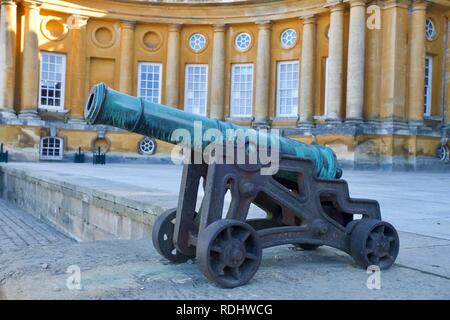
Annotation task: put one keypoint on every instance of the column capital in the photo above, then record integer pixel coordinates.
(309, 19)
(175, 27)
(219, 27)
(334, 5)
(388, 4)
(356, 3)
(77, 21)
(264, 24)
(8, 3)
(419, 5)
(127, 24)
(31, 4)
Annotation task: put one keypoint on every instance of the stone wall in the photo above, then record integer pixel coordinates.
(79, 211)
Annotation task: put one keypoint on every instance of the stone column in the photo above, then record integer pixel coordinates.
(417, 62)
(173, 65)
(307, 72)
(335, 63)
(394, 63)
(447, 79)
(8, 29)
(126, 56)
(372, 81)
(29, 92)
(356, 63)
(262, 74)
(218, 73)
(78, 66)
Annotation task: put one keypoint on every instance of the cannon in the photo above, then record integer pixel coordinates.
(306, 202)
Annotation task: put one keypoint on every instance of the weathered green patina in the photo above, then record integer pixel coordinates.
(109, 107)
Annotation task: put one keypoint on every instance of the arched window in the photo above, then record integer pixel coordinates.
(51, 148)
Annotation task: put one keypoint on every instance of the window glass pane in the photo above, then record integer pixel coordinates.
(149, 75)
(52, 77)
(196, 88)
(241, 90)
(428, 85)
(287, 89)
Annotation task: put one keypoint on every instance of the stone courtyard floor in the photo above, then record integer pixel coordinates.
(34, 258)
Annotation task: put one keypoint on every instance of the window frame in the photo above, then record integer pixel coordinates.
(47, 157)
(250, 40)
(160, 65)
(204, 40)
(295, 39)
(278, 95)
(435, 31)
(428, 95)
(61, 107)
(232, 91)
(325, 87)
(206, 91)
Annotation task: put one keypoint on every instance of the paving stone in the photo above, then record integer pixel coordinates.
(19, 230)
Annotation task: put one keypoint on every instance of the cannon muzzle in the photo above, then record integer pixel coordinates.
(109, 107)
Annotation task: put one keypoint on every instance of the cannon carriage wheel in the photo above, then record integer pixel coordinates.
(374, 242)
(308, 212)
(229, 252)
(162, 237)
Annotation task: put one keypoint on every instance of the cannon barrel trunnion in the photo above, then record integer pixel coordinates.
(306, 203)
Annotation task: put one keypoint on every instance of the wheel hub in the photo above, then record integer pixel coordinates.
(382, 246)
(234, 253)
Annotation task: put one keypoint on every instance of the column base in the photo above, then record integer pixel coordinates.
(7, 113)
(393, 124)
(76, 120)
(333, 121)
(305, 125)
(28, 114)
(261, 124)
(446, 130)
(353, 121)
(415, 123)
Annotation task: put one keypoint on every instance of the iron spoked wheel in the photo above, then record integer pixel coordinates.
(162, 237)
(374, 242)
(229, 252)
(443, 152)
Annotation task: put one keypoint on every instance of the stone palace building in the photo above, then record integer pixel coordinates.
(371, 79)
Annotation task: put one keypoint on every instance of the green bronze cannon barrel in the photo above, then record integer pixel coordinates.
(109, 107)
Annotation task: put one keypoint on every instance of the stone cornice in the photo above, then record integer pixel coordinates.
(187, 13)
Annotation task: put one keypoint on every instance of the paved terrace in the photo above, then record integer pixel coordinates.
(418, 204)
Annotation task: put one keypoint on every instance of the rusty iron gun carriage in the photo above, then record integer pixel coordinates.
(306, 202)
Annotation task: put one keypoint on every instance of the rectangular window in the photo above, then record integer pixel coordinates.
(241, 100)
(52, 81)
(196, 88)
(149, 81)
(52, 148)
(287, 89)
(325, 87)
(428, 84)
